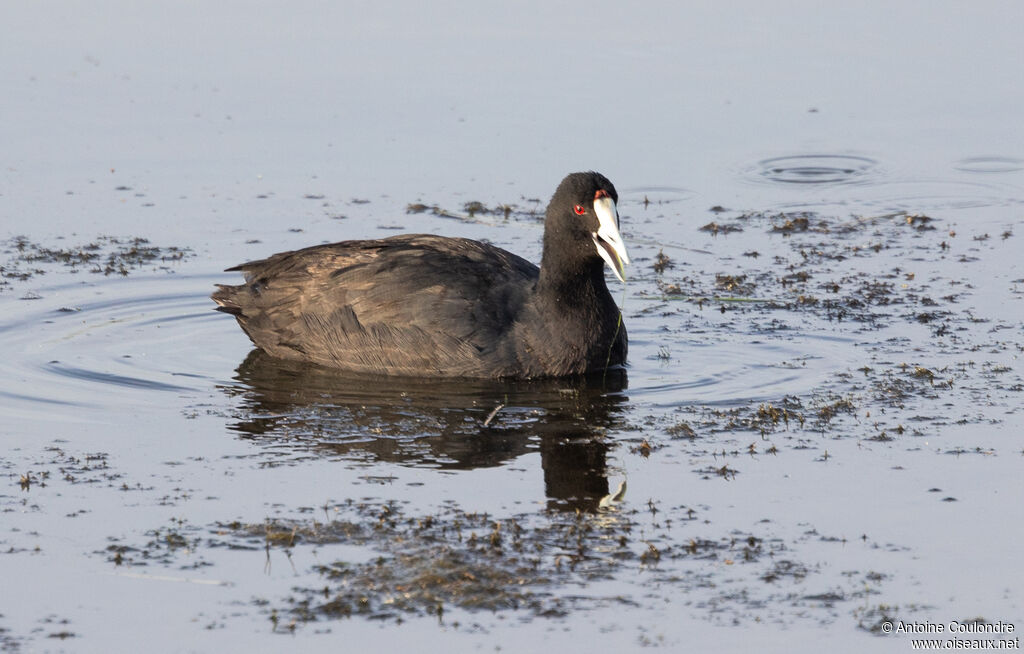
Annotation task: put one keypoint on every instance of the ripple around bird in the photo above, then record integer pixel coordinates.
(136, 341)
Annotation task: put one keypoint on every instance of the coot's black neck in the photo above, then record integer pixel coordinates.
(574, 278)
(577, 324)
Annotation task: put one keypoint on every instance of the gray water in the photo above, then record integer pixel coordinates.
(821, 425)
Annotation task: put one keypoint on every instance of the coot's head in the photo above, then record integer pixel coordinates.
(582, 223)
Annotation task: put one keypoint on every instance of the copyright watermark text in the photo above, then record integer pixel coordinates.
(955, 634)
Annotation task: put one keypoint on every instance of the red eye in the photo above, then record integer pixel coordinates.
(579, 210)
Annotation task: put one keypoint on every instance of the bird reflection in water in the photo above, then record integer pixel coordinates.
(303, 410)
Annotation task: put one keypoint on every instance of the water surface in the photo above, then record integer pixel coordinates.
(819, 429)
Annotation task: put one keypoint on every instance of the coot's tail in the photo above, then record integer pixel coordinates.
(226, 297)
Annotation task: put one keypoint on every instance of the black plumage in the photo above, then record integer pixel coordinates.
(430, 306)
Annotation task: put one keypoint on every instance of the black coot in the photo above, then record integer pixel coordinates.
(430, 306)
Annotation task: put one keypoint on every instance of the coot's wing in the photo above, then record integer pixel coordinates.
(414, 304)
